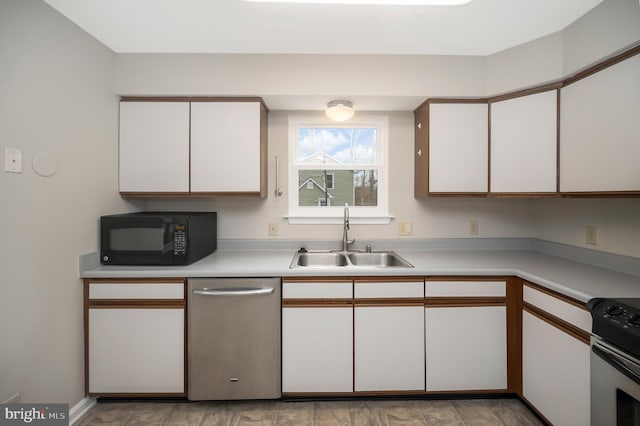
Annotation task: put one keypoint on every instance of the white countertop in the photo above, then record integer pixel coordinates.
(574, 279)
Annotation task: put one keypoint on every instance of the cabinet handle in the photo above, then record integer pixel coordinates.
(419, 153)
(233, 291)
(419, 125)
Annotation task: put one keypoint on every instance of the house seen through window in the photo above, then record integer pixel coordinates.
(333, 165)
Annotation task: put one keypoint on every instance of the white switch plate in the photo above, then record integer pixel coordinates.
(12, 160)
(273, 229)
(405, 228)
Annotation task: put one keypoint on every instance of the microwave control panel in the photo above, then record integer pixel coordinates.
(179, 241)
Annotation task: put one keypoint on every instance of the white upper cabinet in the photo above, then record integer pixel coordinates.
(154, 147)
(458, 147)
(600, 131)
(524, 144)
(225, 147)
(193, 146)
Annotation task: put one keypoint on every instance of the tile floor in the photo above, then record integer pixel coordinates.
(483, 412)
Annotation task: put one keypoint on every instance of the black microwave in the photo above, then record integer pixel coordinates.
(157, 238)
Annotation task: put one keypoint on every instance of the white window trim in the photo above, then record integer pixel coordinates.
(334, 214)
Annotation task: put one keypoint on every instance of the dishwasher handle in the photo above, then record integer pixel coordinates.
(245, 291)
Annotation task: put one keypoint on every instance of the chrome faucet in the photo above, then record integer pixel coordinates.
(345, 238)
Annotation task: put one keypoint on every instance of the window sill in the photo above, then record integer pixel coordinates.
(317, 220)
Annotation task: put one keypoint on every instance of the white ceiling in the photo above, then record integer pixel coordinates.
(236, 26)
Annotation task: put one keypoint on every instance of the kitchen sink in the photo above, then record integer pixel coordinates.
(350, 259)
(320, 259)
(378, 259)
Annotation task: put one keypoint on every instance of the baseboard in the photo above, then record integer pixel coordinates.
(80, 409)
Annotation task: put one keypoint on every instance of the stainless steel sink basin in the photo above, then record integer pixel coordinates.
(320, 259)
(327, 259)
(379, 259)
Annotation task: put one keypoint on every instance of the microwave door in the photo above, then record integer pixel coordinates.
(147, 241)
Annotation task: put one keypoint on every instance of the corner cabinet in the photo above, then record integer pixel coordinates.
(193, 147)
(135, 338)
(524, 144)
(600, 132)
(556, 357)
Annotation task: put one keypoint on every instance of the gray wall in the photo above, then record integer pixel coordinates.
(56, 97)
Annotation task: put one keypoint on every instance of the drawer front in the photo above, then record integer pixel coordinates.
(317, 290)
(383, 290)
(465, 288)
(558, 308)
(133, 290)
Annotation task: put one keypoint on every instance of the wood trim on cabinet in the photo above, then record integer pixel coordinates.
(557, 295)
(317, 303)
(466, 278)
(136, 303)
(525, 92)
(388, 302)
(302, 280)
(595, 194)
(558, 323)
(628, 53)
(514, 334)
(421, 151)
(463, 302)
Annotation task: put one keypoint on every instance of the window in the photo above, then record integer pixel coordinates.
(331, 165)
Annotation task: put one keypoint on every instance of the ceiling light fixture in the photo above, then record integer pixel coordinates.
(339, 110)
(380, 2)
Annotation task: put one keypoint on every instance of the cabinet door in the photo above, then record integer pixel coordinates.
(524, 144)
(599, 142)
(136, 350)
(458, 148)
(389, 348)
(154, 147)
(317, 349)
(555, 372)
(466, 348)
(226, 147)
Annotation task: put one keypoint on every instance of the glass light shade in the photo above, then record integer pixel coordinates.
(339, 110)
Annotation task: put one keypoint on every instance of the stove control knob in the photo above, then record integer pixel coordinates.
(634, 320)
(613, 310)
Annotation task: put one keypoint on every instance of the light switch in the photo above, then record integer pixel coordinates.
(12, 160)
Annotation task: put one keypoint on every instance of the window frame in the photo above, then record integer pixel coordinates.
(334, 214)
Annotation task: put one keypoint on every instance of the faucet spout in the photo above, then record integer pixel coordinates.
(345, 227)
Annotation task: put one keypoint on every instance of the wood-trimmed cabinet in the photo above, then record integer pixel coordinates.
(317, 336)
(466, 335)
(193, 147)
(556, 356)
(135, 337)
(389, 335)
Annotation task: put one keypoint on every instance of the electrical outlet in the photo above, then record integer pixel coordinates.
(592, 235)
(473, 227)
(273, 229)
(405, 228)
(12, 160)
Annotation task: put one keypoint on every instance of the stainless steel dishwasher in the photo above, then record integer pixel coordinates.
(234, 338)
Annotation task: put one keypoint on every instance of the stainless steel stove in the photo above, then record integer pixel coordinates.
(615, 362)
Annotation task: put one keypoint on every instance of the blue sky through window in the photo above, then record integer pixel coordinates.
(345, 145)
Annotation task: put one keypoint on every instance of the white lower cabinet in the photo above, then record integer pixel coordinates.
(136, 350)
(555, 372)
(135, 337)
(389, 348)
(466, 348)
(317, 349)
